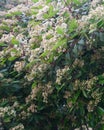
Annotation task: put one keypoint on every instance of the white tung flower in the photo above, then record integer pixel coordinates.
(45, 9)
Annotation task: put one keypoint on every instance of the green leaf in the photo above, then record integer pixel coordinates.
(101, 79)
(14, 41)
(34, 85)
(48, 1)
(73, 25)
(84, 93)
(68, 2)
(100, 111)
(58, 87)
(74, 99)
(60, 31)
(35, 1)
(44, 54)
(4, 103)
(101, 82)
(12, 58)
(75, 50)
(7, 120)
(17, 13)
(76, 2)
(50, 13)
(3, 44)
(100, 23)
(49, 36)
(5, 28)
(61, 42)
(101, 127)
(45, 16)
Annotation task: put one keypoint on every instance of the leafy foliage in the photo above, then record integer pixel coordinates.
(52, 66)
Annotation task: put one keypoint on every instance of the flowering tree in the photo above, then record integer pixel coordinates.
(52, 66)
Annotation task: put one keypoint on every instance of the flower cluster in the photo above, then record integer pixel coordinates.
(60, 73)
(7, 111)
(18, 127)
(95, 14)
(46, 90)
